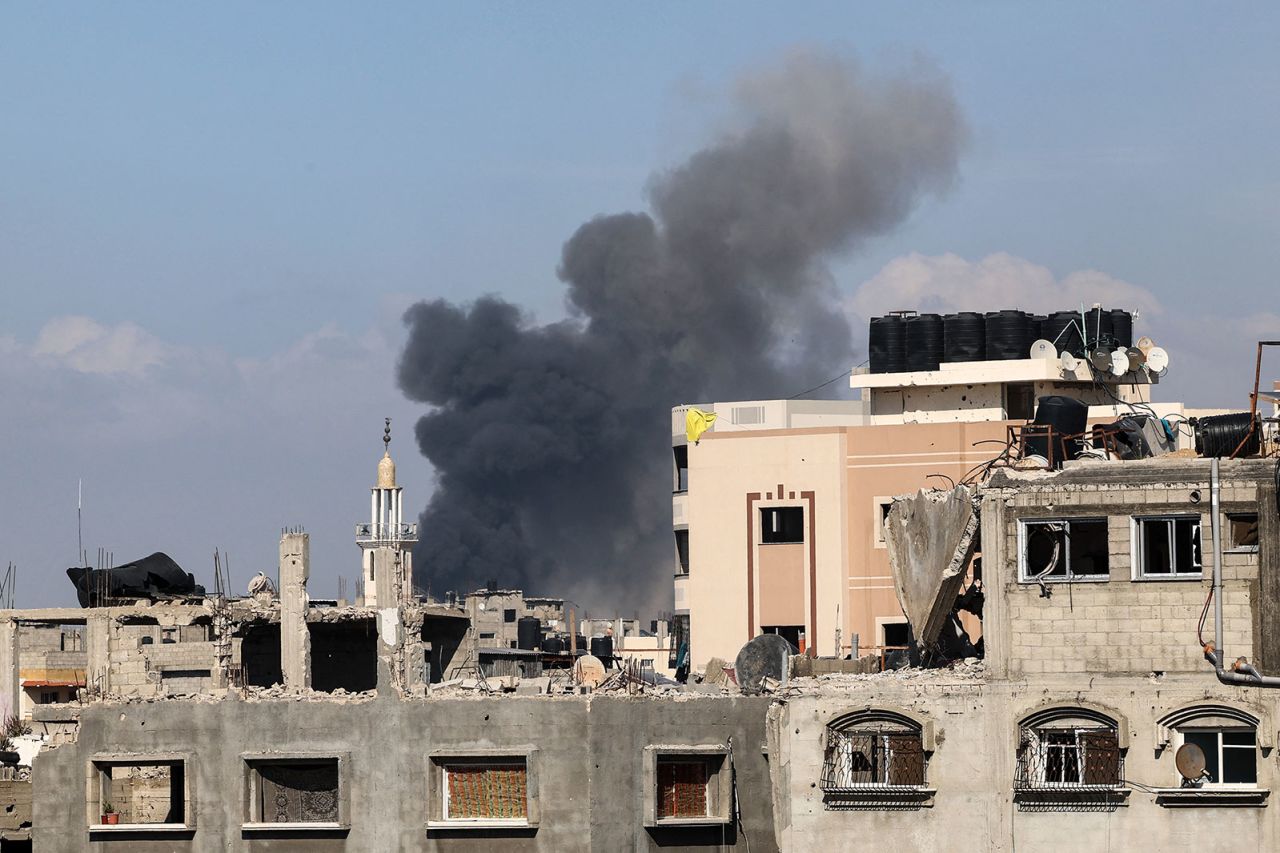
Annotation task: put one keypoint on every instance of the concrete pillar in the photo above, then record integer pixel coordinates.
(295, 639)
(97, 644)
(9, 666)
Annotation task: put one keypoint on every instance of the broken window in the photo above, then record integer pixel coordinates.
(1168, 546)
(344, 655)
(881, 518)
(483, 790)
(682, 467)
(781, 524)
(1243, 531)
(682, 551)
(260, 656)
(1064, 549)
(295, 791)
(793, 634)
(871, 755)
(142, 792)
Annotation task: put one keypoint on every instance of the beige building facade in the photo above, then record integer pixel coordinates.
(778, 508)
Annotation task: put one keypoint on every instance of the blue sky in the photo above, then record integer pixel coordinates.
(237, 201)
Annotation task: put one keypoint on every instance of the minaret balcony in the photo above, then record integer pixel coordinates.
(376, 534)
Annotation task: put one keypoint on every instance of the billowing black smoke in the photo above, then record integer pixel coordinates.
(551, 442)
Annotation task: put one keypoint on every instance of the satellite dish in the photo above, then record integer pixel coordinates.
(1158, 359)
(1068, 362)
(1119, 362)
(1044, 349)
(1100, 359)
(1189, 760)
(1137, 357)
(588, 670)
(765, 656)
(1145, 344)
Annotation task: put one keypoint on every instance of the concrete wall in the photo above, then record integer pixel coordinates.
(972, 770)
(590, 753)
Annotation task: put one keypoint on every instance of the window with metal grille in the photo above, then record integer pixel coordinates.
(875, 756)
(483, 790)
(1168, 546)
(683, 787)
(1068, 757)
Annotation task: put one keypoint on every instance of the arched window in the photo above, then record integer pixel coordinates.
(873, 754)
(1226, 736)
(1069, 748)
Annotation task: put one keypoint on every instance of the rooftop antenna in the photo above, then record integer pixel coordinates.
(80, 555)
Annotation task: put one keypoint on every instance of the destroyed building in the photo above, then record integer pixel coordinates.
(1123, 699)
(778, 505)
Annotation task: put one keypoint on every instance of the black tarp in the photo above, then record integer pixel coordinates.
(154, 577)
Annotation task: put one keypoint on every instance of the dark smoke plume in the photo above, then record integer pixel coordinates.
(551, 442)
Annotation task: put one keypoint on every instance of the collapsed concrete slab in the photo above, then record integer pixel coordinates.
(930, 538)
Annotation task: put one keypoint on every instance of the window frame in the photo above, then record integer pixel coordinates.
(1180, 739)
(1138, 554)
(96, 796)
(1026, 577)
(1229, 518)
(780, 508)
(840, 793)
(720, 793)
(251, 820)
(1034, 791)
(880, 507)
(437, 767)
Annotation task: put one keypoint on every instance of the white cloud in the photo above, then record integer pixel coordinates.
(87, 346)
(949, 283)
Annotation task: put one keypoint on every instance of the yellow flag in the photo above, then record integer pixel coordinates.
(696, 422)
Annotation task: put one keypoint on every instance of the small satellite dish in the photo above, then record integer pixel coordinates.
(1068, 362)
(1044, 349)
(1145, 344)
(1189, 760)
(1119, 362)
(1137, 357)
(1158, 359)
(1100, 359)
(588, 670)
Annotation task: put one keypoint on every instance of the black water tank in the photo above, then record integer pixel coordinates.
(924, 342)
(528, 633)
(1068, 417)
(1098, 329)
(582, 644)
(964, 337)
(1009, 335)
(1122, 327)
(602, 647)
(1062, 329)
(1037, 326)
(553, 645)
(1221, 435)
(887, 345)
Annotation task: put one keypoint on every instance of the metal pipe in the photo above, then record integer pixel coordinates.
(1241, 673)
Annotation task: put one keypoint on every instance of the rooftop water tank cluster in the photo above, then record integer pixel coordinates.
(906, 341)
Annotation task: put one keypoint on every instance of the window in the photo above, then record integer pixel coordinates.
(1230, 755)
(1066, 756)
(49, 697)
(682, 551)
(682, 787)
(688, 785)
(295, 792)
(1167, 546)
(147, 793)
(1019, 401)
(1063, 549)
(508, 616)
(1243, 531)
(682, 467)
(880, 516)
(482, 791)
(874, 758)
(782, 524)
